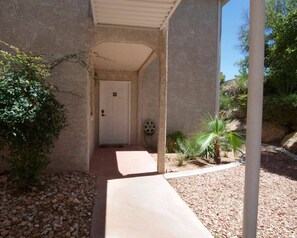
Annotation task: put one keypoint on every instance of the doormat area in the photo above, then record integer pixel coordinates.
(111, 146)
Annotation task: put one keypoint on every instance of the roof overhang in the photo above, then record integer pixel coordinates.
(120, 56)
(225, 2)
(135, 13)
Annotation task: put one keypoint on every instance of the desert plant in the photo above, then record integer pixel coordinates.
(215, 134)
(172, 141)
(181, 160)
(188, 147)
(31, 119)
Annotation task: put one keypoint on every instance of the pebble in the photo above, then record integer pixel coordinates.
(49, 212)
(220, 208)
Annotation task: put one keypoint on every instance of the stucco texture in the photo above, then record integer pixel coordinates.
(192, 65)
(56, 28)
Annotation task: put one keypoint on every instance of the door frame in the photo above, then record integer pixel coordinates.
(129, 105)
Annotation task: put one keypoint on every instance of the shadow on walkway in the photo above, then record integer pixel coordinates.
(115, 163)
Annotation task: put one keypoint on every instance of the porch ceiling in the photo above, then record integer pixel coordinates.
(120, 56)
(137, 13)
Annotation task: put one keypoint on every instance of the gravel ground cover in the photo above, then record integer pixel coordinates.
(171, 161)
(61, 207)
(217, 198)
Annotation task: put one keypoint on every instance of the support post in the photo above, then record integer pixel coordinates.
(219, 34)
(163, 64)
(254, 118)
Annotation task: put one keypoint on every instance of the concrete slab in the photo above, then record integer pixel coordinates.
(117, 162)
(148, 207)
(133, 202)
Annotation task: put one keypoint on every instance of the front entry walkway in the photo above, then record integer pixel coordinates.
(134, 202)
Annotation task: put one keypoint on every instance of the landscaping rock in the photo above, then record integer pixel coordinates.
(217, 198)
(272, 132)
(290, 142)
(47, 211)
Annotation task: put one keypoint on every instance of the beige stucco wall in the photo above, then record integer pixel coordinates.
(120, 76)
(56, 28)
(91, 112)
(192, 68)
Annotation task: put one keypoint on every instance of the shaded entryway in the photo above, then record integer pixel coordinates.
(133, 201)
(121, 161)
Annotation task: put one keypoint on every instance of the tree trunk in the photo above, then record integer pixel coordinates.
(217, 157)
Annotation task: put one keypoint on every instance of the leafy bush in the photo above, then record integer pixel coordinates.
(30, 116)
(226, 102)
(188, 147)
(282, 109)
(172, 141)
(233, 94)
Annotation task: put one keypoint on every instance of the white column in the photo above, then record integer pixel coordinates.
(163, 62)
(219, 33)
(254, 117)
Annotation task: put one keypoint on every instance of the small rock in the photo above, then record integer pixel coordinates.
(290, 142)
(4, 233)
(54, 201)
(6, 223)
(26, 233)
(44, 232)
(75, 200)
(67, 234)
(23, 223)
(14, 220)
(60, 197)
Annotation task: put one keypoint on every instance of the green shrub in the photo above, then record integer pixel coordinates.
(282, 109)
(172, 138)
(226, 102)
(188, 147)
(215, 135)
(31, 119)
(233, 94)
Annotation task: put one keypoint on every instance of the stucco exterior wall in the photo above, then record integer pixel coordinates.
(192, 68)
(121, 76)
(91, 112)
(149, 99)
(56, 28)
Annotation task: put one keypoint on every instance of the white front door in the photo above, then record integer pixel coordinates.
(114, 112)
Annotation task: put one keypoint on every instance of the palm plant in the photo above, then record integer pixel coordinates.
(216, 135)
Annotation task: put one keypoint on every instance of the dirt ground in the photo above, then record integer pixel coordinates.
(171, 162)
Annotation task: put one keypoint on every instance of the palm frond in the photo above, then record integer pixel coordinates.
(236, 141)
(204, 140)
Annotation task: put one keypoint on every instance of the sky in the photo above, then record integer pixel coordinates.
(231, 21)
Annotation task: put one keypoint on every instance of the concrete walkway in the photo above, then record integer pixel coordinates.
(134, 202)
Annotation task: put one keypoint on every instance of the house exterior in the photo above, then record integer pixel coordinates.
(143, 66)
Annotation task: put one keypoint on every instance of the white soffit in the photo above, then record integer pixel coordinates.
(120, 56)
(137, 13)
